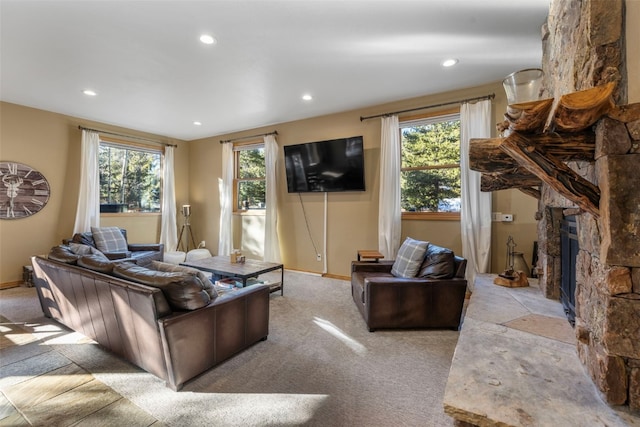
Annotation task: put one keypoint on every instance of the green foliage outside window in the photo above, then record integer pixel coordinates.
(129, 179)
(430, 177)
(251, 172)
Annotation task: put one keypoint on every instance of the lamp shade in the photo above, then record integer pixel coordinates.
(186, 210)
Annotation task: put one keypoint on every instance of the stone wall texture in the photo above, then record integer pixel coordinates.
(583, 47)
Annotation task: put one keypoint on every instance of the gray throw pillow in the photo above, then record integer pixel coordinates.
(438, 263)
(409, 258)
(109, 239)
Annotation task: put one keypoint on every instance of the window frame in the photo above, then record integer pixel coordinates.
(428, 216)
(119, 143)
(237, 148)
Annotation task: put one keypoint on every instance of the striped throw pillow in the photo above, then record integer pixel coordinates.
(409, 258)
(109, 239)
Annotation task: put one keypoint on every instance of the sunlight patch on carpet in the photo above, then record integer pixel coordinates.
(338, 333)
(279, 409)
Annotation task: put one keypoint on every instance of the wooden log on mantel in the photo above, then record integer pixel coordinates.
(579, 110)
(553, 172)
(485, 155)
(528, 116)
(530, 191)
(518, 178)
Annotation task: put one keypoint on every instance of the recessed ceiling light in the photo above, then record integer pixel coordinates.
(307, 97)
(207, 39)
(89, 92)
(449, 62)
(197, 123)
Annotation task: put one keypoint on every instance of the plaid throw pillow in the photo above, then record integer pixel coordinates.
(109, 239)
(409, 258)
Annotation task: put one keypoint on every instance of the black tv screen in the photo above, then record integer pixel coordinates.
(325, 166)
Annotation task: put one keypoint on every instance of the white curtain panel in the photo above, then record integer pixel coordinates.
(271, 240)
(475, 215)
(389, 215)
(225, 187)
(168, 227)
(88, 210)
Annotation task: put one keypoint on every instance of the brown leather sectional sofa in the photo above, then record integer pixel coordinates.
(137, 323)
(389, 302)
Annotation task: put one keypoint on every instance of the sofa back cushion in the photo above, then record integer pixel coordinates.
(438, 263)
(63, 253)
(166, 266)
(84, 238)
(409, 258)
(96, 262)
(109, 239)
(183, 291)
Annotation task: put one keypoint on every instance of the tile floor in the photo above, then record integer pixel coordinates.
(39, 386)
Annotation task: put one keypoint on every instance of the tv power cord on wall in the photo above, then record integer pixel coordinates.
(306, 221)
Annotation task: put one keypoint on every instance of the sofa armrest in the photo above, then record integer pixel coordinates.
(194, 341)
(374, 267)
(135, 247)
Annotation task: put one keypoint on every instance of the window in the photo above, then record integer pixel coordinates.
(249, 177)
(130, 178)
(430, 171)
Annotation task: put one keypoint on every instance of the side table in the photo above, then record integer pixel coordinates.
(369, 255)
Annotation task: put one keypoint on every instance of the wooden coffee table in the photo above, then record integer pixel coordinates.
(223, 267)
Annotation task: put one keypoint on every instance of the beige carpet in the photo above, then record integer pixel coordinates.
(319, 367)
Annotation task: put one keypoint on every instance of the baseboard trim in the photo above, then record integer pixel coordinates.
(8, 285)
(336, 276)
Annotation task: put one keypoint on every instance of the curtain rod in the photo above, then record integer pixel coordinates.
(225, 141)
(126, 136)
(462, 101)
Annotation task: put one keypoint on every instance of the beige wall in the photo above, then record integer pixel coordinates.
(351, 217)
(50, 143)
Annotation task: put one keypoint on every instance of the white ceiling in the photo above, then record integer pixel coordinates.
(153, 74)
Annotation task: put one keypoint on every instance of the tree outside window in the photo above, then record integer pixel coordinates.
(430, 172)
(129, 178)
(250, 173)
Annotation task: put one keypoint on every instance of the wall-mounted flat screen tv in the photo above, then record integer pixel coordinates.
(325, 166)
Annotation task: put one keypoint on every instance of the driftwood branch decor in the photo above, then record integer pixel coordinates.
(540, 137)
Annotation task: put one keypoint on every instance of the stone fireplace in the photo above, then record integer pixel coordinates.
(583, 47)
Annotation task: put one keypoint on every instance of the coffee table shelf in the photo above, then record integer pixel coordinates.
(221, 266)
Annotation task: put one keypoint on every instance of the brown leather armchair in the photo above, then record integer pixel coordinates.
(389, 302)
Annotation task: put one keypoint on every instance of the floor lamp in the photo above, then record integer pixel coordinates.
(186, 213)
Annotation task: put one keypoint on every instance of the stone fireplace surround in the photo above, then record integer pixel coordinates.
(583, 47)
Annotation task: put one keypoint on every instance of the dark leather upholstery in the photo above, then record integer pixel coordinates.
(141, 253)
(389, 302)
(135, 322)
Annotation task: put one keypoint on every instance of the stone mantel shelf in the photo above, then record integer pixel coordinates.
(516, 364)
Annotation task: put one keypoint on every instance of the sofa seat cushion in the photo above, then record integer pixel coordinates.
(145, 258)
(409, 258)
(183, 291)
(109, 239)
(438, 263)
